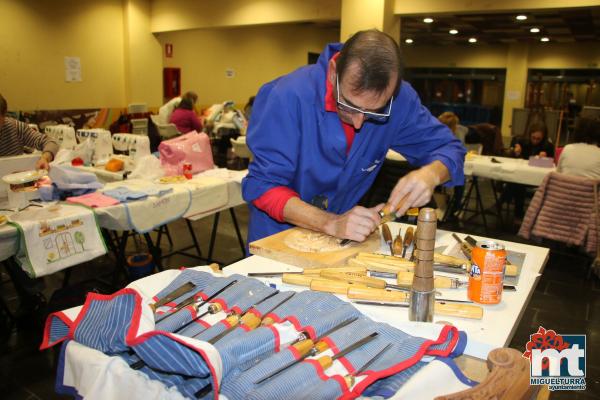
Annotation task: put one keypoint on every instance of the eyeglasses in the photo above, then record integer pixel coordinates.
(347, 108)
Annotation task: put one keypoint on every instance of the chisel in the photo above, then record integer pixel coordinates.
(453, 308)
(310, 271)
(218, 292)
(317, 284)
(386, 215)
(249, 319)
(361, 280)
(308, 349)
(439, 282)
(387, 237)
(441, 308)
(180, 291)
(397, 245)
(351, 378)
(408, 239)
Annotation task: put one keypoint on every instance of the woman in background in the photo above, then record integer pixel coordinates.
(582, 158)
(184, 117)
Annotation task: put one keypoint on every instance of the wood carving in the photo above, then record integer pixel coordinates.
(312, 242)
(508, 379)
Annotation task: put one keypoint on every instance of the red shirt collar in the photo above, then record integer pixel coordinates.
(330, 101)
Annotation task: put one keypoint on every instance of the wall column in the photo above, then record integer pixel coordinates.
(143, 55)
(358, 15)
(516, 83)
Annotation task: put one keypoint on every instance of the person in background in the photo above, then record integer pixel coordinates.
(164, 112)
(536, 143)
(184, 117)
(582, 158)
(319, 136)
(16, 135)
(451, 120)
(248, 108)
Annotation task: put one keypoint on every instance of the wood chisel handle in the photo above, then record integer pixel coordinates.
(304, 346)
(459, 310)
(387, 237)
(511, 270)
(232, 319)
(297, 279)
(397, 245)
(350, 278)
(325, 361)
(451, 261)
(331, 286)
(358, 293)
(317, 271)
(439, 282)
(408, 239)
(251, 320)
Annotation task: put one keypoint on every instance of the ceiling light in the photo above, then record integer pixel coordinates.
(428, 20)
(409, 41)
(472, 40)
(544, 39)
(453, 31)
(534, 30)
(521, 17)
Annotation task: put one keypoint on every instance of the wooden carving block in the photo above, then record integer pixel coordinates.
(508, 379)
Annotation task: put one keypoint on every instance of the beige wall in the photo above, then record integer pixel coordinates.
(35, 36)
(256, 55)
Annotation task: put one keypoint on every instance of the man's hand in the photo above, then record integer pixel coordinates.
(44, 161)
(518, 150)
(416, 188)
(356, 224)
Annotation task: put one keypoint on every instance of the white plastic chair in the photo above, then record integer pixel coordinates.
(166, 131)
(240, 148)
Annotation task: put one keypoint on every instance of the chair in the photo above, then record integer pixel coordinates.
(240, 148)
(564, 209)
(165, 131)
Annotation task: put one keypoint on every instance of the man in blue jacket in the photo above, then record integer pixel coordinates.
(320, 134)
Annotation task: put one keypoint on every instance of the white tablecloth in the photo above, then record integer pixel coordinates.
(507, 169)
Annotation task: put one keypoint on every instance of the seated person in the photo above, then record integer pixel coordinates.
(164, 112)
(184, 117)
(535, 144)
(582, 158)
(15, 135)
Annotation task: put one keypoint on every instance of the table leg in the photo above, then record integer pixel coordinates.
(238, 233)
(155, 251)
(480, 203)
(213, 236)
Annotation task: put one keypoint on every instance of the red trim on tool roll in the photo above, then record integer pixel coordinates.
(245, 327)
(225, 322)
(276, 337)
(203, 323)
(298, 326)
(294, 352)
(237, 310)
(324, 377)
(48, 325)
(255, 312)
(373, 376)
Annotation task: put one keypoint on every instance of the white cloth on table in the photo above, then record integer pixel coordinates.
(224, 173)
(152, 212)
(208, 194)
(53, 238)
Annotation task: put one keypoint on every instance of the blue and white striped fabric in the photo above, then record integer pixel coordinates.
(106, 321)
(198, 278)
(324, 390)
(267, 305)
(245, 293)
(193, 329)
(211, 332)
(292, 382)
(235, 353)
(165, 354)
(308, 306)
(55, 331)
(175, 320)
(238, 384)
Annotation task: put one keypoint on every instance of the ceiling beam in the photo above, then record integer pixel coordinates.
(431, 7)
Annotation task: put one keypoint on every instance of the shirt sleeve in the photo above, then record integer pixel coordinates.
(37, 140)
(422, 139)
(273, 201)
(274, 140)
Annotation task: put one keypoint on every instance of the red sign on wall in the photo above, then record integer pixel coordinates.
(168, 50)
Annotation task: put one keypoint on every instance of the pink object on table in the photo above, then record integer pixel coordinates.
(94, 200)
(193, 148)
(544, 162)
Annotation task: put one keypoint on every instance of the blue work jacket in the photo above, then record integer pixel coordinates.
(296, 143)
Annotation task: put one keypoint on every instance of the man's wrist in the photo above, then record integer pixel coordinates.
(48, 156)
